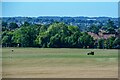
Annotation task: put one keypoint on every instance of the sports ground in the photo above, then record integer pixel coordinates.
(59, 63)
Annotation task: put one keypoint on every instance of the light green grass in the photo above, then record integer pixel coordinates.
(55, 56)
(46, 58)
(58, 53)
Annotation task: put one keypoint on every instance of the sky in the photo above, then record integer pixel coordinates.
(60, 0)
(35, 9)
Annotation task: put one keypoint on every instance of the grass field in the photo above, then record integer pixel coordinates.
(59, 63)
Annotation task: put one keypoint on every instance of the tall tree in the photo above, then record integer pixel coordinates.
(26, 36)
(101, 43)
(7, 39)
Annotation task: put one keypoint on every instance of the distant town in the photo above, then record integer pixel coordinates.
(102, 29)
(81, 22)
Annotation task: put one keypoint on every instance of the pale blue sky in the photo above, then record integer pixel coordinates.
(35, 9)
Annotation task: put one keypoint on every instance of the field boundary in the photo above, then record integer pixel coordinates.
(60, 79)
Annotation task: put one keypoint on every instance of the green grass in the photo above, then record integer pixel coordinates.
(43, 59)
(57, 56)
(58, 53)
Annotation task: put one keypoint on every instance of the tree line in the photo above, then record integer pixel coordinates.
(80, 21)
(55, 35)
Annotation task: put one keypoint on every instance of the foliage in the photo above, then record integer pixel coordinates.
(13, 26)
(25, 36)
(62, 35)
(94, 29)
(7, 39)
(57, 35)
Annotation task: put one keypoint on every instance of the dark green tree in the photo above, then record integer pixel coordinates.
(94, 29)
(25, 36)
(116, 43)
(101, 44)
(4, 26)
(7, 39)
(13, 26)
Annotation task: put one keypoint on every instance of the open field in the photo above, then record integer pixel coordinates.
(59, 63)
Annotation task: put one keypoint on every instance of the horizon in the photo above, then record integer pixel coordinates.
(69, 9)
(58, 16)
(60, 1)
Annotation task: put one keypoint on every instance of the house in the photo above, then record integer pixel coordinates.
(101, 35)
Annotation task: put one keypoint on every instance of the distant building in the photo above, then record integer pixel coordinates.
(91, 19)
(95, 36)
(101, 35)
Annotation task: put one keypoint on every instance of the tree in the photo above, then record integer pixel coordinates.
(54, 41)
(59, 35)
(116, 43)
(86, 40)
(4, 26)
(7, 39)
(94, 29)
(56, 35)
(25, 36)
(111, 30)
(110, 24)
(110, 27)
(109, 43)
(43, 28)
(13, 26)
(26, 24)
(101, 43)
